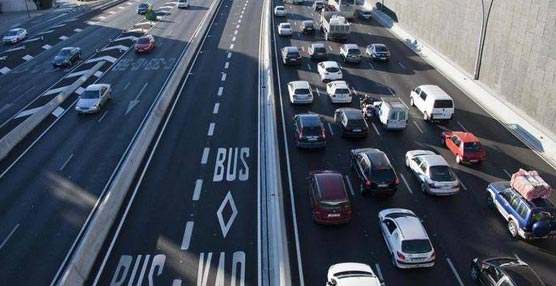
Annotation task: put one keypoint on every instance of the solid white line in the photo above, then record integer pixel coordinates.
(9, 235)
(318, 92)
(309, 66)
(462, 127)
(205, 155)
(406, 184)
(211, 129)
(376, 129)
(66, 162)
(349, 185)
(227, 65)
(371, 66)
(462, 185)
(141, 91)
(330, 47)
(220, 91)
(223, 77)
(187, 235)
(127, 85)
(418, 128)
(401, 65)
(102, 117)
(197, 190)
(216, 107)
(454, 271)
(379, 272)
(330, 128)
(517, 257)
(391, 92)
(507, 173)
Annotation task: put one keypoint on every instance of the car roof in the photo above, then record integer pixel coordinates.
(435, 91)
(308, 119)
(67, 49)
(378, 45)
(340, 84)
(521, 274)
(378, 159)
(330, 64)
(318, 45)
(351, 46)
(434, 160)
(351, 266)
(16, 30)
(307, 21)
(300, 84)
(280, 7)
(284, 24)
(331, 185)
(351, 113)
(291, 49)
(394, 102)
(410, 227)
(466, 137)
(534, 203)
(96, 86)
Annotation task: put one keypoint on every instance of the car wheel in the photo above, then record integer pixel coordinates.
(474, 273)
(512, 227)
(490, 200)
(458, 159)
(411, 101)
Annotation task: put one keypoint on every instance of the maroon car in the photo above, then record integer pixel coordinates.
(144, 44)
(329, 199)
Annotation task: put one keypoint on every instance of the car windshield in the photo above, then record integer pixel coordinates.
(302, 91)
(441, 174)
(416, 246)
(89, 94)
(381, 49)
(443, 103)
(342, 91)
(143, 41)
(355, 52)
(543, 215)
(334, 204)
(64, 53)
(11, 33)
(320, 50)
(472, 147)
(332, 69)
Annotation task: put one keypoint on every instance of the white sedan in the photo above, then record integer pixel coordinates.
(351, 274)
(329, 70)
(285, 29)
(338, 91)
(280, 11)
(93, 98)
(433, 172)
(15, 36)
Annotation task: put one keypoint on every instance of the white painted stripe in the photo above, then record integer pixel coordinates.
(418, 128)
(237, 27)
(55, 90)
(309, 66)
(454, 271)
(103, 58)
(63, 38)
(330, 129)
(5, 70)
(302, 48)
(102, 117)
(101, 17)
(65, 163)
(462, 185)
(32, 40)
(112, 12)
(318, 92)
(45, 32)
(223, 77)
(46, 47)
(58, 26)
(216, 107)
(27, 57)
(116, 47)
(401, 65)
(371, 66)
(507, 173)
(79, 90)
(14, 88)
(15, 49)
(349, 185)
(197, 190)
(379, 272)
(235, 32)
(406, 184)
(58, 112)
(127, 85)
(233, 39)
(98, 73)
(231, 46)
(220, 91)
(28, 112)
(376, 129)
(205, 155)
(211, 129)
(79, 73)
(226, 65)
(131, 38)
(9, 236)
(239, 21)
(187, 235)
(462, 127)
(229, 55)
(391, 92)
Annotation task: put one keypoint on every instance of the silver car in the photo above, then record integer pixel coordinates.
(433, 172)
(93, 98)
(15, 36)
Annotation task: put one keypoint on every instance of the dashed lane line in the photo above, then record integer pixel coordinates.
(102, 117)
(211, 129)
(507, 173)
(330, 129)
(204, 159)
(454, 271)
(223, 77)
(66, 162)
(226, 65)
(9, 236)
(418, 128)
(406, 184)
(349, 186)
(462, 127)
(187, 235)
(197, 190)
(216, 107)
(220, 91)
(376, 129)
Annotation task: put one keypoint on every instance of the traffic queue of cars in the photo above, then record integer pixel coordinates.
(402, 230)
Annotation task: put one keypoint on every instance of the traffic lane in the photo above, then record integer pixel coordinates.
(195, 113)
(91, 151)
(483, 184)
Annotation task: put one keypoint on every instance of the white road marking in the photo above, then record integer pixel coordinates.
(15, 49)
(239, 21)
(14, 88)
(318, 92)
(517, 257)
(79, 73)
(117, 47)
(237, 27)
(223, 77)
(211, 129)
(371, 66)
(187, 235)
(401, 65)
(235, 32)
(330, 129)
(507, 173)
(406, 184)
(55, 90)
(205, 155)
(45, 32)
(391, 92)
(103, 58)
(233, 39)
(66, 162)
(376, 129)
(330, 47)
(58, 26)
(197, 190)
(101, 17)
(229, 55)
(226, 65)
(9, 235)
(225, 226)
(28, 112)
(231, 46)
(102, 117)
(418, 128)
(5, 70)
(127, 85)
(462, 127)
(303, 48)
(379, 272)
(462, 185)
(220, 91)
(349, 185)
(32, 40)
(309, 66)
(216, 107)
(454, 271)
(63, 38)
(58, 112)
(46, 47)
(98, 73)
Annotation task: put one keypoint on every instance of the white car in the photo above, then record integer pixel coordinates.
(280, 11)
(338, 91)
(93, 98)
(329, 70)
(300, 92)
(351, 274)
(406, 239)
(182, 4)
(433, 172)
(285, 29)
(15, 36)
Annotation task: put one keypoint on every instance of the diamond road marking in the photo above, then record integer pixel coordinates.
(228, 201)
(5, 70)
(77, 30)
(63, 38)
(79, 90)
(27, 57)
(46, 47)
(58, 111)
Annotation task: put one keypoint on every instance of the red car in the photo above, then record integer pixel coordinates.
(144, 44)
(329, 199)
(465, 146)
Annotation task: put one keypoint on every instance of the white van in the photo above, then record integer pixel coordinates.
(433, 102)
(391, 112)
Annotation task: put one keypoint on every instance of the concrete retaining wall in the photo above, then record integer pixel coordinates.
(17, 5)
(519, 58)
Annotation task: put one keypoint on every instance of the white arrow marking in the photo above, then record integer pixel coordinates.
(28, 112)
(126, 38)
(79, 73)
(103, 58)
(136, 100)
(32, 40)
(56, 90)
(116, 47)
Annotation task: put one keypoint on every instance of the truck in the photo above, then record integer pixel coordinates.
(334, 26)
(345, 8)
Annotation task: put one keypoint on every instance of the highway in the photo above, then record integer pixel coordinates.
(50, 189)
(461, 227)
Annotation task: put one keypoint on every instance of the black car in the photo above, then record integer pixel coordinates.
(308, 27)
(504, 271)
(352, 122)
(291, 55)
(318, 5)
(144, 7)
(317, 51)
(67, 57)
(375, 171)
(309, 131)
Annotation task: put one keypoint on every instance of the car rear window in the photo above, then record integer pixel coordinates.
(310, 121)
(302, 91)
(356, 52)
(443, 103)
(342, 91)
(293, 55)
(286, 26)
(143, 41)
(416, 246)
(442, 174)
(356, 123)
(382, 175)
(332, 69)
(320, 50)
(381, 49)
(308, 24)
(472, 147)
(334, 204)
(89, 94)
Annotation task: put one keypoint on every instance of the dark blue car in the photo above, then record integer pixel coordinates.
(526, 219)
